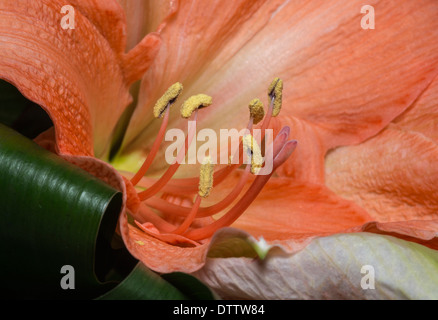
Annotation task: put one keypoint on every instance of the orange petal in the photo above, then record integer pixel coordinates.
(419, 231)
(73, 74)
(138, 60)
(422, 116)
(392, 176)
(100, 170)
(192, 38)
(133, 202)
(347, 81)
(159, 255)
(108, 17)
(171, 238)
(299, 211)
(144, 17)
(306, 164)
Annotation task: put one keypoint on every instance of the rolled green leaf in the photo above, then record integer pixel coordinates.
(57, 223)
(192, 288)
(58, 232)
(143, 284)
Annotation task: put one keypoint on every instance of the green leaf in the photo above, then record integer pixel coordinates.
(191, 287)
(53, 214)
(343, 266)
(143, 284)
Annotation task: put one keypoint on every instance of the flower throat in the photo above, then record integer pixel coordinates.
(186, 222)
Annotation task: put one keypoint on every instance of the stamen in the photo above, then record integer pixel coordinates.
(195, 102)
(205, 186)
(275, 92)
(155, 147)
(254, 152)
(165, 224)
(170, 208)
(256, 110)
(279, 144)
(189, 219)
(157, 186)
(267, 118)
(234, 213)
(145, 215)
(162, 106)
(206, 178)
(169, 97)
(190, 184)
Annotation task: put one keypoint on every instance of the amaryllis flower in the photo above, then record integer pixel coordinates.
(360, 103)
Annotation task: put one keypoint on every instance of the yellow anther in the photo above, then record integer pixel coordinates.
(256, 110)
(167, 99)
(195, 102)
(206, 178)
(275, 92)
(253, 150)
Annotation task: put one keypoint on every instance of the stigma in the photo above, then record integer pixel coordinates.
(172, 210)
